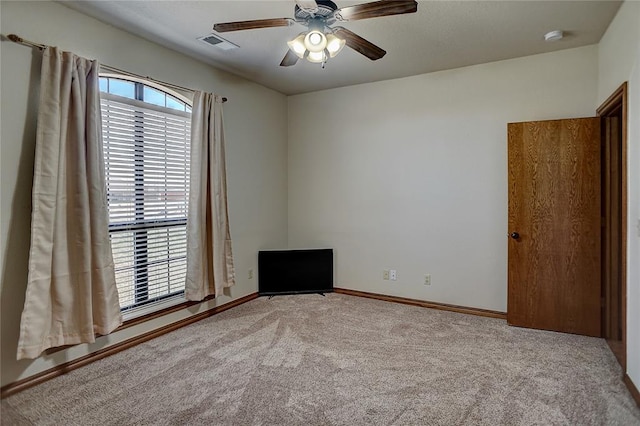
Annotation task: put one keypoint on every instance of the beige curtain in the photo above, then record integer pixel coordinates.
(209, 258)
(71, 289)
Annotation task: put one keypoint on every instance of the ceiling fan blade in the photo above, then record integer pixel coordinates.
(289, 59)
(251, 25)
(309, 6)
(375, 9)
(359, 44)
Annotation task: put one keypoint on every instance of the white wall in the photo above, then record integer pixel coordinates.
(255, 126)
(619, 61)
(411, 174)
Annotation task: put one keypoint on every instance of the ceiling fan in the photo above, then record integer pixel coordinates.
(322, 41)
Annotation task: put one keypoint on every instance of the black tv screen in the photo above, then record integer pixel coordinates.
(295, 271)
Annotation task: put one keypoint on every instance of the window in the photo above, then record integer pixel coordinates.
(146, 132)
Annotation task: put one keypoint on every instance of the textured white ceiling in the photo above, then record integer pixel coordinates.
(441, 35)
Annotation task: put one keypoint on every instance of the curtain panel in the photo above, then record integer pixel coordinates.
(71, 291)
(209, 256)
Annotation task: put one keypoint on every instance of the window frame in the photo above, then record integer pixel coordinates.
(142, 306)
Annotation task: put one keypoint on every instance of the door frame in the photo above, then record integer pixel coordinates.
(617, 100)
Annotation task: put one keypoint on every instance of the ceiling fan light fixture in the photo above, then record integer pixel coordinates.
(316, 46)
(315, 41)
(334, 44)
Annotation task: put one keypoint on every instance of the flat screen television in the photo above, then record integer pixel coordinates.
(295, 271)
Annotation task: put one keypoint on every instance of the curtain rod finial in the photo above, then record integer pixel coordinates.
(15, 38)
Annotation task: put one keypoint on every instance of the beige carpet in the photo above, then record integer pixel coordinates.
(340, 360)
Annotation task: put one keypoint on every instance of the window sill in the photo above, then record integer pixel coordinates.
(152, 308)
(175, 305)
(140, 317)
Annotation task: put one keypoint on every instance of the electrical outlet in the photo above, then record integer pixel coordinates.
(250, 274)
(427, 279)
(385, 274)
(392, 275)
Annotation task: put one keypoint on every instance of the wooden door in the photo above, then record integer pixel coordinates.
(555, 212)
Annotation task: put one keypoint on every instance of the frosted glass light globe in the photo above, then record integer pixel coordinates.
(315, 41)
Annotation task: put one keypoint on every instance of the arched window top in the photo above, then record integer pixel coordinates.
(145, 91)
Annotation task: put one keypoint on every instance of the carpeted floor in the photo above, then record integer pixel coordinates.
(340, 360)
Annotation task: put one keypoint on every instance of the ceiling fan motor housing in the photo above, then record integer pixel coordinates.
(324, 14)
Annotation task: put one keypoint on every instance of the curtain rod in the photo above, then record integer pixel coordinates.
(17, 39)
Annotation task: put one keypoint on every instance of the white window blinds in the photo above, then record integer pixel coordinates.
(146, 151)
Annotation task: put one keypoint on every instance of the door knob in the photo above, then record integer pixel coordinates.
(514, 235)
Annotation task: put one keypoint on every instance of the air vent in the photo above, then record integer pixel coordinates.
(217, 41)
